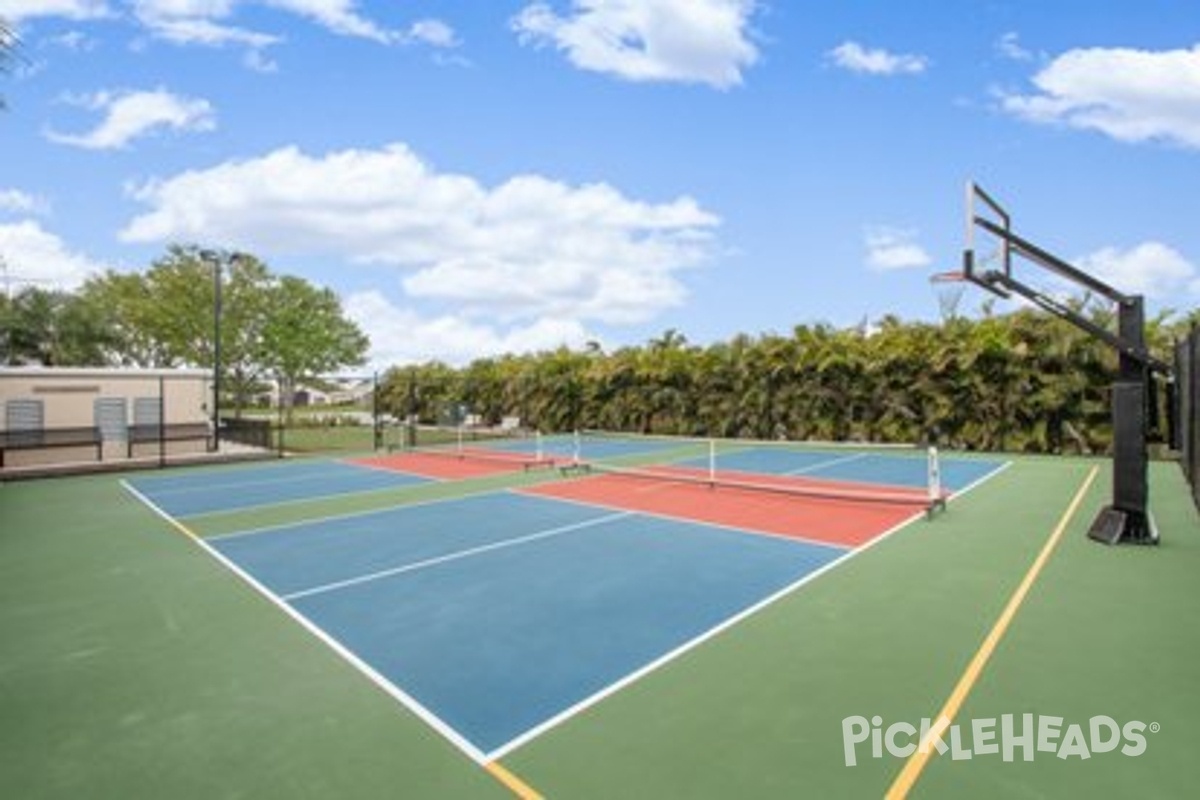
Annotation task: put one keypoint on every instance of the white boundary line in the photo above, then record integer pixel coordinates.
(393, 470)
(613, 688)
(982, 479)
(689, 645)
(448, 732)
(405, 699)
(532, 492)
(227, 512)
(217, 537)
(455, 556)
(185, 489)
(825, 464)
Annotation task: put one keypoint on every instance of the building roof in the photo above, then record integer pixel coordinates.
(100, 372)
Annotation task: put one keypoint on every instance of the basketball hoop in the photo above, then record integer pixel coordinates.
(949, 288)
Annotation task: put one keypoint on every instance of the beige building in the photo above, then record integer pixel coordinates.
(69, 415)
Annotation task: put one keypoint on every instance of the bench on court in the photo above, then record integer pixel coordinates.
(41, 438)
(178, 432)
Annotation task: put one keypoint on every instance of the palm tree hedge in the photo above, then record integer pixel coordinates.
(1023, 381)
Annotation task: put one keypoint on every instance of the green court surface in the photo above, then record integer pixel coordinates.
(134, 664)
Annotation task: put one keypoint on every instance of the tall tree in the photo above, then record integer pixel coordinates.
(304, 334)
(164, 316)
(278, 326)
(245, 309)
(54, 328)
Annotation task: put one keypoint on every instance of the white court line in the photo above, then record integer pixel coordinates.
(235, 484)
(613, 688)
(445, 729)
(531, 491)
(689, 645)
(455, 556)
(316, 498)
(389, 688)
(366, 512)
(824, 464)
(393, 471)
(954, 495)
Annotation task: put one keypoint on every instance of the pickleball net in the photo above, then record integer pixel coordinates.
(711, 464)
(515, 447)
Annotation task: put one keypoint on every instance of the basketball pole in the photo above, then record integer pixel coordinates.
(1127, 518)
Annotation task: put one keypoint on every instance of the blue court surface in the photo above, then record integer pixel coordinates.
(192, 493)
(884, 469)
(498, 614)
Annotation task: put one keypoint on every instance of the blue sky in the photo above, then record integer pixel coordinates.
(483, 177)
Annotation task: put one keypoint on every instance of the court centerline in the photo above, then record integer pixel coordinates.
(455, 556)
(823, 464)
(697, 641)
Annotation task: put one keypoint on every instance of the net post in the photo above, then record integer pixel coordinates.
(712, 462)
(936, 501)
(537, 445)
(577, 448)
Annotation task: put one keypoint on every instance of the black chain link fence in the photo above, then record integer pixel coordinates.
(1187, 403)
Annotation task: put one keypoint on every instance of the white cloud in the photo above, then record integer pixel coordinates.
(129, 115)
(203, 31)
(891, 248)
(208, 22)
(338, 16)
(204, 22)
(404, 336)
(74, 41)
(1009, 46)
(1151, 269)
(432, 32)
(1130, 95)
(690, 41)
(528, 248)
(39, 258)
(16, 201)
(16, 11)
(856, 58)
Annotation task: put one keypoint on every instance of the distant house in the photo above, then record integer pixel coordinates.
(353, 393)
(307, 396)
(341, 393)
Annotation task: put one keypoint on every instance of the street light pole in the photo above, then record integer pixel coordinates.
(9, 322)
(214, 261)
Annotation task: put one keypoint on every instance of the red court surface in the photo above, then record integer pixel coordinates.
(441, 467)
(844, 521)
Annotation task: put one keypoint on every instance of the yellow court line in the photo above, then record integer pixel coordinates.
(916, 762)
(146, 501)
(514, 784)
(179, 526)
